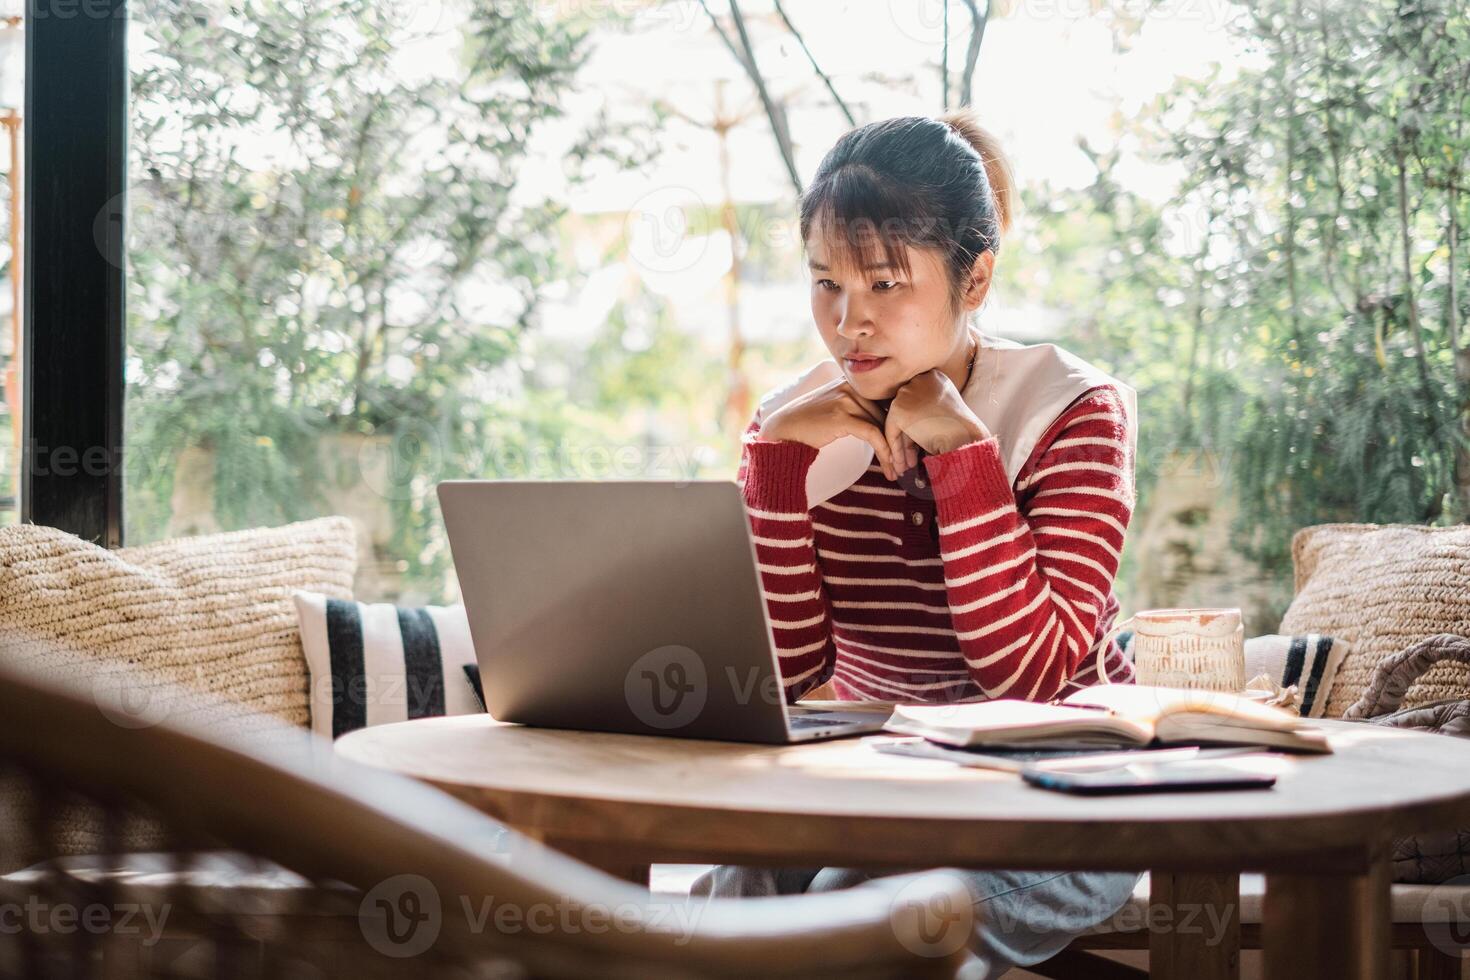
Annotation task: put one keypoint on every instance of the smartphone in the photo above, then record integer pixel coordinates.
(1145, 777)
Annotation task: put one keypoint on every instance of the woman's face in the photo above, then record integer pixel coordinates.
(905, 321)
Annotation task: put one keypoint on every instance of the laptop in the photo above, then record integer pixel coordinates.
(624, 606)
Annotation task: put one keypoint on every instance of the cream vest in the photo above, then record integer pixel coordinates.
(1017, 390)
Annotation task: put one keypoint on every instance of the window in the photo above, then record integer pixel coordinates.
(377, 245)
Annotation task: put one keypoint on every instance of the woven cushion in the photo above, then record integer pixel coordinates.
(211, 612)
(373, 662)
(1382, 587)
(145, 627)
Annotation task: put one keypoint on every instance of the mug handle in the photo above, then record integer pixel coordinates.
(1118, 627)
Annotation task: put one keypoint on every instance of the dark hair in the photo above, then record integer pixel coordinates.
(938, 182)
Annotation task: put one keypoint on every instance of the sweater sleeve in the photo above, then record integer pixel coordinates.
(772, 478)
(1026, 584)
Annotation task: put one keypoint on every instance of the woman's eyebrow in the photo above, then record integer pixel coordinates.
(867, 268)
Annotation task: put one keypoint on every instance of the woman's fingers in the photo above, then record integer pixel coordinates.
(870, 434)
(869, 407)
(911, 451)
(869, 421)
(872, 417)
(893, 433)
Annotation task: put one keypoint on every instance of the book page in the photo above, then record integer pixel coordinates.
(1146, 702)
(1008, 719)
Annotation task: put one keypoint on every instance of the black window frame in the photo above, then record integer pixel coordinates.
(74, 232)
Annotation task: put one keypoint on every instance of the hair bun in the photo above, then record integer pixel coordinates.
(997, 165)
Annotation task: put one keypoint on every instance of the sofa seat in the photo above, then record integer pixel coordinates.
(232, 882)
(221, 881)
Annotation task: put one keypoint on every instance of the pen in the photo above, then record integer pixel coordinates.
(1072, 704)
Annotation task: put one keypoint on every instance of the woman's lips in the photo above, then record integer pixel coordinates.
(865, 364)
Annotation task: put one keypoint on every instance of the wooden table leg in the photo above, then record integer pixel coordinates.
(609, 860)
(1436, 964)
(1327, 925)
(1194, 925)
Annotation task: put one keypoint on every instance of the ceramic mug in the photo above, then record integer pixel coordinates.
(1199, 649)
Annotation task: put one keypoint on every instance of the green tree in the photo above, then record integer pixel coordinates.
(1330, 174)
(327, 242)
(1298, 307)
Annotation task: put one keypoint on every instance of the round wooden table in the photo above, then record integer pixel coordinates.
(1321, 835)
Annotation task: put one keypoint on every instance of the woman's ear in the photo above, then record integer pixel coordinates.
(979, 285)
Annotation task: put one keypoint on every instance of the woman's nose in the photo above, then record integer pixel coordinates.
(853, 321)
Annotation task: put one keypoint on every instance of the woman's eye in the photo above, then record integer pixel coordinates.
(881, 285)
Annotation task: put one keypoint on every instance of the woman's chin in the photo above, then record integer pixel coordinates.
(870, 387)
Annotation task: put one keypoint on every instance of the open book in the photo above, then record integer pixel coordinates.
(1111, 715)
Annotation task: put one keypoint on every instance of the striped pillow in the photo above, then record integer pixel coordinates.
(370, 663)
(1309, 661)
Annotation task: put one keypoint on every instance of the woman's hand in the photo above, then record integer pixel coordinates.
(928, 411)
(833, 410)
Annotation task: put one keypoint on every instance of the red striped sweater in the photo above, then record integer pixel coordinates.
(1009, 597)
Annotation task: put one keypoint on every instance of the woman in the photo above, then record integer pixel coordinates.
(938, 514)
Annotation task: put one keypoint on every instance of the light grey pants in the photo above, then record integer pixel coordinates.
(1021, 917)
